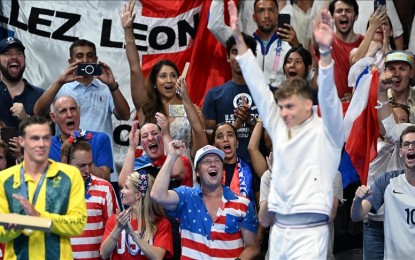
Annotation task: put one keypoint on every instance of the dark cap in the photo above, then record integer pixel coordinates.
(8, 42)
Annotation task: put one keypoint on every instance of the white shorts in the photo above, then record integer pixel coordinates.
(298, 243)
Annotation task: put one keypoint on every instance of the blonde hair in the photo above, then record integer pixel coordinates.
(148, 209)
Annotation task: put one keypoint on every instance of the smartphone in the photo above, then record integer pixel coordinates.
(7, 133)
(379, 2)
(89, 69)
(284, 19)
(177, 111)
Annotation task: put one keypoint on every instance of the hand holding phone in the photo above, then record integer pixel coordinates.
(378, 3)
(89, 69)
(284, 19)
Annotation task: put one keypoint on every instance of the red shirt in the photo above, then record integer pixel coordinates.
(341, 56)
(163, 238)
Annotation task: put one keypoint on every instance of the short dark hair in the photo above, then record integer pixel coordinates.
(256, 1)
(305, 55)
(249, 41)
(408, 130)
(81, 42)
(34, 120)
(294, 86)
(348, 2)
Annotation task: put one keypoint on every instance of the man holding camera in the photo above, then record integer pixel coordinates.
(98, 95)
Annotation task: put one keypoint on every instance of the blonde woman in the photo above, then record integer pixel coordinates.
(141, 231)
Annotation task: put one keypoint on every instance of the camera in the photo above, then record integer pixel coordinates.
(89, 69)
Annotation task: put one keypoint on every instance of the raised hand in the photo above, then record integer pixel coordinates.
(163, 122)
(362, 192)
(69, 74)
(386, 81)
(127, 15)
(123, 218)
(107, 77)
(181, 87)
(323, 31)
(288, 35)
(374, 46)
(242, 111)
(134, 136)
(378, 17)
(176, 148)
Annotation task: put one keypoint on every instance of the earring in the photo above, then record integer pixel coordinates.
(155, 86)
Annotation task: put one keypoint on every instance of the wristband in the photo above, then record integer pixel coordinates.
(381, 104)
(128, 42)
(325, 52)
(116, 87)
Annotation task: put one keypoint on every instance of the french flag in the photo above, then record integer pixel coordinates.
(361, 129)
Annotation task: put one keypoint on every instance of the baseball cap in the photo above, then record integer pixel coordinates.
(399, 56)
(8, 42)
(208, 149)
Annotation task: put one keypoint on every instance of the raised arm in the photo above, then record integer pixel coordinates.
(376, 19)
(196, 119)
(42, 105)
(216, 23)
(361, 206)
(128, 166)
(121, 107)
(138, 91)
(330, 105)
(160, 192)
(254, 76)
(178, 171)
(258, 160)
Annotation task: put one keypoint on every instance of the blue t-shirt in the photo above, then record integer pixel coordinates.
(219, 104)
(100, 146)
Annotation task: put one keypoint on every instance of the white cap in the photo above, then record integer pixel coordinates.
(208, 149)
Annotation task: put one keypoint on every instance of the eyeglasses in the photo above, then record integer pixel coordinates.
(405, 145)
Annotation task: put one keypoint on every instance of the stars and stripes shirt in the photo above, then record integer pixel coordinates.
(101, 203)
(203, 238)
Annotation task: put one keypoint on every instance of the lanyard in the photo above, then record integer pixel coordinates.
(277, 55)
(23, 187)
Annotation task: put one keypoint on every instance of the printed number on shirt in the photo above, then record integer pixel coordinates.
(122, 248)
(410, 216)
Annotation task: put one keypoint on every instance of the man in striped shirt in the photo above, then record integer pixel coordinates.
(100, 199)
(215, 222)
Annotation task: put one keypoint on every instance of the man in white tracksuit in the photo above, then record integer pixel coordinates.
(306, 149)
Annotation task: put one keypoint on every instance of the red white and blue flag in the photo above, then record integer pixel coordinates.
(361, 129)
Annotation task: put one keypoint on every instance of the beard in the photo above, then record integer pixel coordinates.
(6, 74)
(266, 30)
